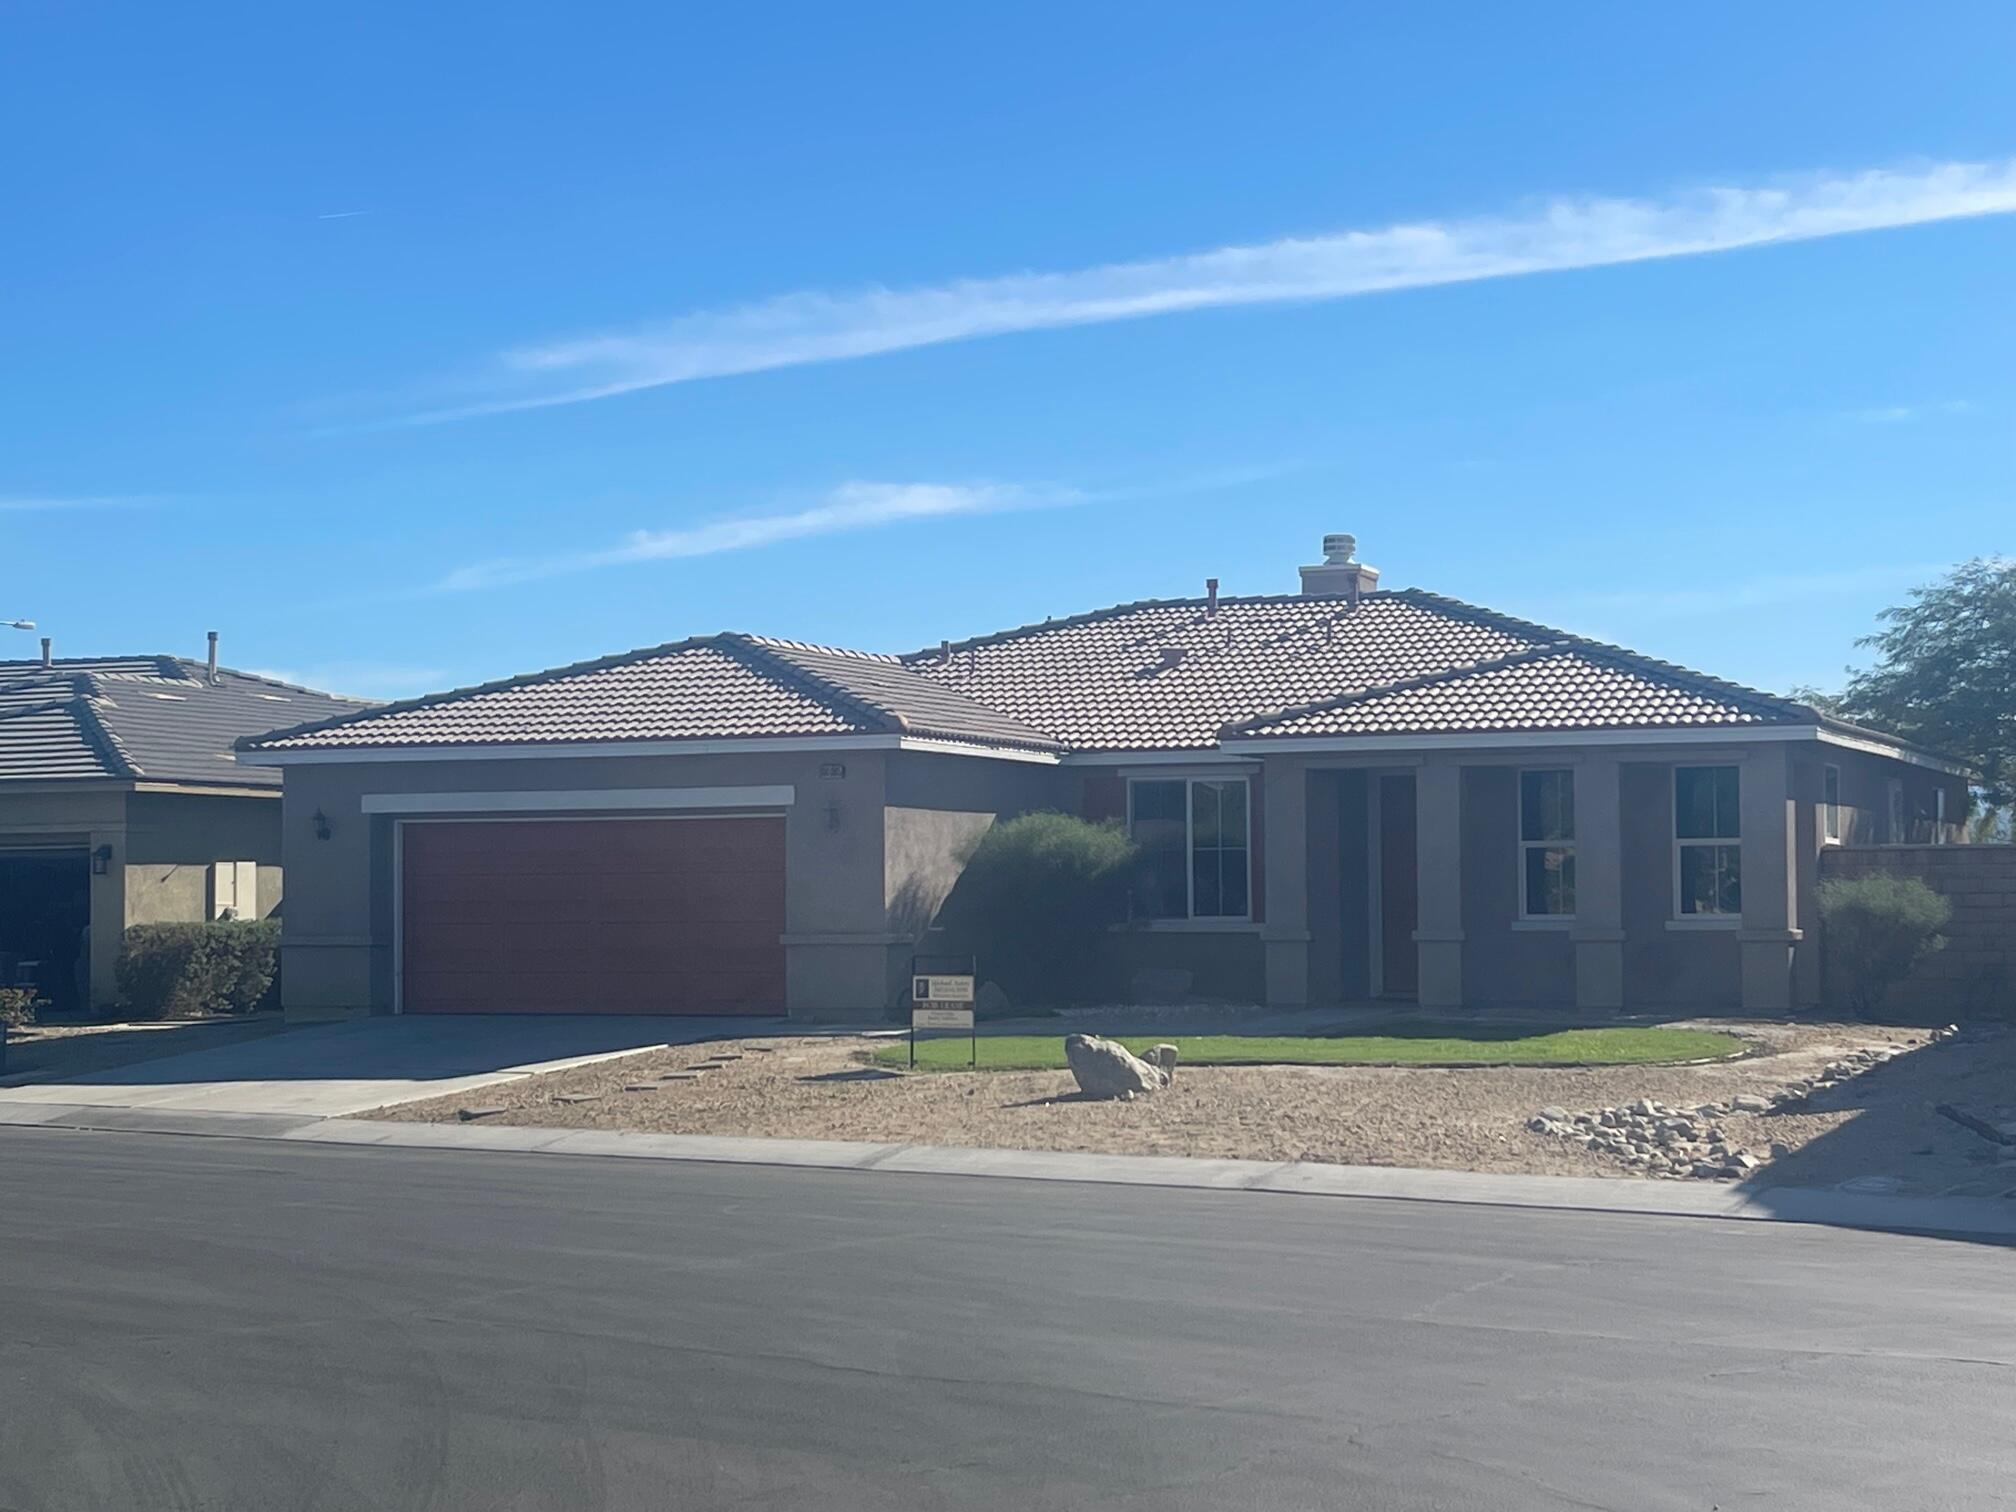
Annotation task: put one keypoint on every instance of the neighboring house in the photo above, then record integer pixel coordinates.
(1339, 794)
(122, 801)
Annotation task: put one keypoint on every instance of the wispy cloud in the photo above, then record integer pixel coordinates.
(815, 326)
(851, 506)
(360, 679)
(1905, 414)
(341, 214)
(1756, 593)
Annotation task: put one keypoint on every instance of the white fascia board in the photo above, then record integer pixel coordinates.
(1513, 740)
(1203, 756)
(574, 800)
(753, 746)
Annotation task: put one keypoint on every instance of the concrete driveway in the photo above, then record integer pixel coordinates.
(330, 1070)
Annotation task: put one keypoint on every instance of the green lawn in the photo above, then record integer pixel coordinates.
(1425, 1045)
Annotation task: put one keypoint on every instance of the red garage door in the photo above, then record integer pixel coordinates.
(592, 916)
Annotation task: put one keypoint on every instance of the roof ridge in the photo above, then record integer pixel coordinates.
(475, 690)
(882, 657)
(1373, 691)
(1609, 649)
(1111, 611)
(768, 658)
(95, 731)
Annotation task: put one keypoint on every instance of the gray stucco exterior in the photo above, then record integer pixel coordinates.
(875, 839)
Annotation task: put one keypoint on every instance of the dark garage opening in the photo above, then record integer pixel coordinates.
(45, 910)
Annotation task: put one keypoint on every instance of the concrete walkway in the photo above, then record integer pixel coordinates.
(330, 1070)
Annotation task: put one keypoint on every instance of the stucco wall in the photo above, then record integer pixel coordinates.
(1975, 975)
(171, 841)
(1504, 963)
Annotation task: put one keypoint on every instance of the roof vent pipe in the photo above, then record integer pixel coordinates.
(213, 657)
(945, 651)
(1338, 575)
(48, 657)
(1210, 595)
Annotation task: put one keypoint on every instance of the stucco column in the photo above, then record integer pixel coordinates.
(1438, 925)
(108, 917)
(1285, 935)
(1770, 928)
(1598, 931)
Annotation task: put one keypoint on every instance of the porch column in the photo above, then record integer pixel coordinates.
(1285, 935)
(1598, 931)
(1770, 928)
(1438, 923)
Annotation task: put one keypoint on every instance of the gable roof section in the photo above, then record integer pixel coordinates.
(717, 687)
(154, 718)
(1567, 686)
(1170, 674)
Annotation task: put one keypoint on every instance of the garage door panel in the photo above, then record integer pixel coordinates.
(598, 916)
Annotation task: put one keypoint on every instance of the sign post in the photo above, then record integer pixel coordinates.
(943, 999)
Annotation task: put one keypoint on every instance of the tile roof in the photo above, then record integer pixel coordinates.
(154, 718)
(715, 687)
(1561, 687)
(1163, 675)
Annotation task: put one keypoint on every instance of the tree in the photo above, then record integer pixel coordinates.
(1945, 677)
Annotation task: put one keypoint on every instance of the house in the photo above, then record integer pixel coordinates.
(122, 801)
(1340, 794)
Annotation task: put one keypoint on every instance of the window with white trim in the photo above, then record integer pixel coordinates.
(1547, 845)
(1830, 804)
(1195, 847)
(1707, 835)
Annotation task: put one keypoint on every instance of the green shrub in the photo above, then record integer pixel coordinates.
(1876, 929)
(166, 970)
(17, 1006)
(1033, 906)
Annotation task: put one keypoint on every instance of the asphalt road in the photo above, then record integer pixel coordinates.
(243, 1325)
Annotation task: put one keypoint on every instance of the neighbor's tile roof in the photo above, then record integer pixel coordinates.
(725, 686)
(154, 718)
(1561, 687)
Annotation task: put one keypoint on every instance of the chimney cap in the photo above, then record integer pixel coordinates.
(1338, 549)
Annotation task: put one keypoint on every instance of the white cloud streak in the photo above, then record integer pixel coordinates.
(1559, 235)
(36, 504)
(360, 679)
(1906, 414)
(849, 507)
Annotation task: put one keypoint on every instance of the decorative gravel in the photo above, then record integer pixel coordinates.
(1882, 1124)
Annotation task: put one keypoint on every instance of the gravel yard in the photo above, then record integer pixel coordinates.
(1881, 1123)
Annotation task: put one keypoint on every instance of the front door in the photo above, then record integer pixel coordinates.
(1399, 974)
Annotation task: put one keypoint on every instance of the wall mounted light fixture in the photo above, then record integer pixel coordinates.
(321, 823)
(101, 861)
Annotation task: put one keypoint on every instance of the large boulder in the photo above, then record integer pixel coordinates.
(1106, 1068)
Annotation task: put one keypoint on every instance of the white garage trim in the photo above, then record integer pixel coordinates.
(574, 800)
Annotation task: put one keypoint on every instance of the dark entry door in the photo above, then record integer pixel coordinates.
(1397, 896)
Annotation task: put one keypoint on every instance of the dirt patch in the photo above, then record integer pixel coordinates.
(827, 1088)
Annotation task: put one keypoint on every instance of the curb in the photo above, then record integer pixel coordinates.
(1969, 1217)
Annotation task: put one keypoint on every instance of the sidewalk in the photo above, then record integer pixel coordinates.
(1970, 1217)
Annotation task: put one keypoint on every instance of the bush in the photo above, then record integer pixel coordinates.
(1033, 906)
(1876, 929)
(17, 1006)
(166, 970)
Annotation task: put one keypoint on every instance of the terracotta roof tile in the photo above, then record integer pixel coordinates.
(1550, 688)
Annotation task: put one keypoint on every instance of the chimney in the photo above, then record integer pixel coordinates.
(1210, 595)
(1338, 575)
(48, 657)
(213, 657)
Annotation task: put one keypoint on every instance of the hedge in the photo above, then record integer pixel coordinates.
(166, 970)
(1875, 930)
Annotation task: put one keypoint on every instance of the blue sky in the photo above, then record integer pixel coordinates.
(411, 346)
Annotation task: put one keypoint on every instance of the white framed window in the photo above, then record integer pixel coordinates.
(1707, 836)
(1830, 804)
(1196, 853)
(1547, 845)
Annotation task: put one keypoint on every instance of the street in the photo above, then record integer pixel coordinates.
(235, 1324)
